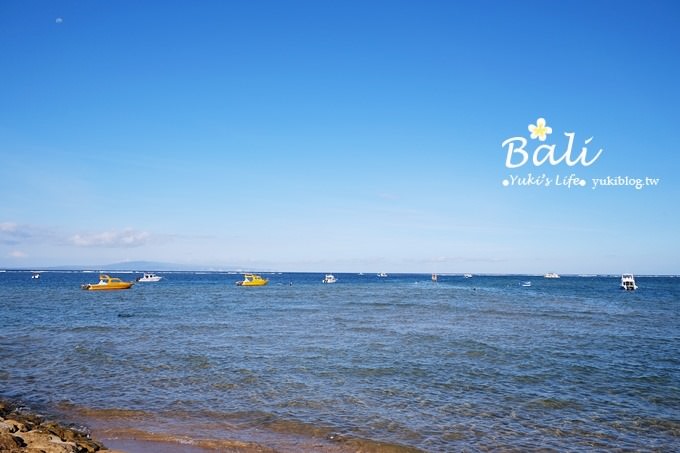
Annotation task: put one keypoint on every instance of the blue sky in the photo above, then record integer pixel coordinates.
(337, 136)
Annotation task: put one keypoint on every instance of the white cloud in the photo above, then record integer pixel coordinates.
(8, 227)
(12, 233)
(17, 254)
(124, 238)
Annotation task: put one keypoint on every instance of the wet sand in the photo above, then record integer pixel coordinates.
(85, 430)
(138, 431)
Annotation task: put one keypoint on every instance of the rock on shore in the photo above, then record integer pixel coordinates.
(24, 432)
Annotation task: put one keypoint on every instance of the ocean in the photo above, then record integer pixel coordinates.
(390, 364)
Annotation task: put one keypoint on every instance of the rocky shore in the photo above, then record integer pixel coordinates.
(21, 431)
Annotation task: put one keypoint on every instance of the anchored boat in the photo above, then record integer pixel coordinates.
(149, 277)
(628, 282)
(252, 280)
(107, 283)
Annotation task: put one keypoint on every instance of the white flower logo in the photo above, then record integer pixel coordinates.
(539, 130)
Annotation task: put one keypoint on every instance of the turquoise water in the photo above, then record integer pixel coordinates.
(480, 363)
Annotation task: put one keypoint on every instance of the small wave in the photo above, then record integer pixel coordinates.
(134, 439)
(553, 403)
(216, 431)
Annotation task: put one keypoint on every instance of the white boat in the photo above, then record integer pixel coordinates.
(149, 277)
(526, 284)
(35, 275)
(551, 275)
(330, 278)
(435, 277)
(628, 282)
(467, 275)
(382, 275)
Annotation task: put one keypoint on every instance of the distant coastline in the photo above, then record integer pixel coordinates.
(153, 266)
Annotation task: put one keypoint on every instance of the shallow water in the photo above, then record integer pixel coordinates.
(477, 364)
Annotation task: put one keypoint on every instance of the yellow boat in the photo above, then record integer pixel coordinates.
(107, 283)
(252, 280)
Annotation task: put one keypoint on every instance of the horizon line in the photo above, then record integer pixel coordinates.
(241, 271)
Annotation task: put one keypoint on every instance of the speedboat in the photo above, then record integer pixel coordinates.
(526, 284)
(35, 275)
(435, 277)
(107, 283)
(252, 280)
(628, 282)
(467, 275)
(551, 275)
(149, 277)
(382, 275)
(329, 278)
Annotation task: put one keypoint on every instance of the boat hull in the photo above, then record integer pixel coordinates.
(252, 283)
(109, 287)
(107, 283)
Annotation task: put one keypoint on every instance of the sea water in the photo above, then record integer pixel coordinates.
(462, 364)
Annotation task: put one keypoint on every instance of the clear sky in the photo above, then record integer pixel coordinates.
(338, 135)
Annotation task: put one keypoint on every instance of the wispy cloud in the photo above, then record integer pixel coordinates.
(388, 196)
(17, 254)
(14, 234)
(124, 238)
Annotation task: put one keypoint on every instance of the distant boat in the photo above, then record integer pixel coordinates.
(435, 277)
(467, 275)
(252, 280)
(149, 277)
(329, 278)
(628, 282)
(107, 283)
(382, 275)
(35, 275)
(551, 275)
(526, 284)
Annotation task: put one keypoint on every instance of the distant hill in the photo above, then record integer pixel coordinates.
(141, 266)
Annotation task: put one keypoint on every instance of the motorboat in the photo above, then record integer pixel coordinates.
(526, 284)
(149, 277)
(35, 275)
(107, 283)
(252, 280)
(330, 278)
(628, 282)
(435, 277)
(551, 275)
(382, 275)
(467, 275)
